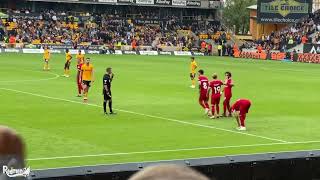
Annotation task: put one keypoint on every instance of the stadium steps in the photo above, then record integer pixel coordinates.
(298, 48)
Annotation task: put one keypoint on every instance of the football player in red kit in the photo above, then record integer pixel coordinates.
(203, 89)
(215, 88)
(79, 79)
(227, 94)
(239, 110)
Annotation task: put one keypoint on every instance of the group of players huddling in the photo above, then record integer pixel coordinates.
(85, 76)
(213, 90)
(207, 89)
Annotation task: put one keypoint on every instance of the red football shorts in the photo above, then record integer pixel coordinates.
(227, 96)
(203, 97)
(244, 108)
(215, 99)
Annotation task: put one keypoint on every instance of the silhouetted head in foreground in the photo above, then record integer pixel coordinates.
(168, 172)
(11, 148)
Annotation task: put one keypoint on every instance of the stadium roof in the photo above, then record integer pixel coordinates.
(253, 7)
(3, 15)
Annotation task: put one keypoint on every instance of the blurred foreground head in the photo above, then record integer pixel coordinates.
(11, 148)
(168, 172)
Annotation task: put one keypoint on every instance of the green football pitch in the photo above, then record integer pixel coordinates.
(158, 116)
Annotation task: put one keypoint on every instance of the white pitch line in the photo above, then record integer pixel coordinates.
(205, 126)
(169, 150)
(34, 80)
(151, 116)
(282, 69)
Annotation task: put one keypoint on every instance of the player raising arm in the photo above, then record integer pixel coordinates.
(193, 67)
(239, 110)
(203, 89)
(79, 77)
(46, 58)
(87, 74)
(67, 64)
(107, 79)
(227, 94)
(215, 88)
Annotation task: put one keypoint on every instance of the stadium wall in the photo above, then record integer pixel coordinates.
(300, 165)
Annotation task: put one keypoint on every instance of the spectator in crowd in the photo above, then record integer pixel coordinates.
(209, 49)
(219, 49)
(304, 39)
(229, 49)
(259, 48)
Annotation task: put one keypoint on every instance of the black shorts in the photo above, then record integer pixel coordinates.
(67, 65)
(192, 76)
(87, 83)
(106, 96)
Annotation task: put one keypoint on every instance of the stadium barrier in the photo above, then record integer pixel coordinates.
(299, 165)
(309, 58)
(311, 48)
(310, 54)
(106, 51)
(272, 55)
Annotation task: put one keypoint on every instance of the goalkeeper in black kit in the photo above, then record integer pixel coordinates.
(107, 79)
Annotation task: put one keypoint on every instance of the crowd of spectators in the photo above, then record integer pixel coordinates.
(288, 37)
(144, 28)
(109, 28)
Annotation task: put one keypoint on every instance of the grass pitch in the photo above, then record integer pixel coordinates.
(158, 114)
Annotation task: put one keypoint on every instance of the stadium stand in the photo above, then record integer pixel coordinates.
(305, 31)
(136, 27)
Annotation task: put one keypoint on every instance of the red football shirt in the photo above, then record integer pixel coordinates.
(79, 70)
(228, 87)
(79, 67)
(203, 84)
(241, 105)
(215, 85)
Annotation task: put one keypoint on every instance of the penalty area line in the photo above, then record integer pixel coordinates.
(170, 150)
(151, 116)
(34, 80)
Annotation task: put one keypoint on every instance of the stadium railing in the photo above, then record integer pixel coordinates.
(298, 165)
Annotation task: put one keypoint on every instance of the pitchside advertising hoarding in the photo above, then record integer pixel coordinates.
(106, 52)
(311, 48)
(175, 3)
(282, 11)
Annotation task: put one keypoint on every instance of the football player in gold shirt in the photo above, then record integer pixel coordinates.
(67, 64)
(46, 58)
(87, 75)
(193, 67)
